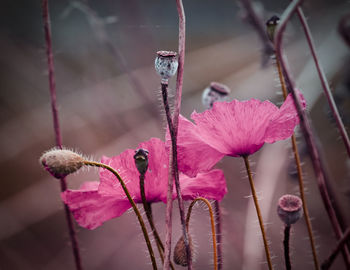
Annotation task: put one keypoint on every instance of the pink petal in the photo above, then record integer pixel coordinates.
(284, 121)
(90, 209)
(235, 128)
(210, 185)
(194, 155)
(155, 178)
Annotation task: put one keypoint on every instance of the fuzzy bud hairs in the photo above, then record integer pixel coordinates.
(61, 162)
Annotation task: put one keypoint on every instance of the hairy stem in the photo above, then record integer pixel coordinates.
(175, 173)
(217, 213)
(56, 124)
(300, 174)
(212, 222)
(148, 210)
(258, 212)
(286, 247)
(328, 262)
(132, 202)
(306, 128)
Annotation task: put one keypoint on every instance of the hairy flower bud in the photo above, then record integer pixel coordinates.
(141, 160)
(180, 255)
(166, 64)
(290, 209)
(214, 92)
(271, 26)
(61, 162)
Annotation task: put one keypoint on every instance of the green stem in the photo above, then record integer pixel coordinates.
(137, 212)
(258, 212)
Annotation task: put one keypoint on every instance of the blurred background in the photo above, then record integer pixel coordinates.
(101, 48)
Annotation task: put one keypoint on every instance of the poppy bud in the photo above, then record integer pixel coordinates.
(290, 209)
(271, 26)
(214, 92)
(180, 254)
(166, 64)
(61, 162)
(141, 160)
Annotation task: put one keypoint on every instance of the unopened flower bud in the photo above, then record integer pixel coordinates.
(214, 92)
(271, 26)
(180, 254)
(61, 162)
(290, 209)
(141, 160)
(166, 64)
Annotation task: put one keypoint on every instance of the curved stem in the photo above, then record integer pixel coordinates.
(132, 202)
(56, 124)
(261, 223)
(217, 213)
(175, 176)
(306, 128)
(300, 174)
(148, 209)
(286, 247)
(212, 222)
(324, 82)
(328, 262)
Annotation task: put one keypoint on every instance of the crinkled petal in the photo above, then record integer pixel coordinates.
(235, 128)
(194, 155)
(157, 171)
(91, 209)
(284, 121)
(210, 185)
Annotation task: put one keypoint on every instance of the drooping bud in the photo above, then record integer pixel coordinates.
(214, 92)
(180, 254)
(290, 209)
(166, 64)
(61, 162)
(271, 26)
(141, 160)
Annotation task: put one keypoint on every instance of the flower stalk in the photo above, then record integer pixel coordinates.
(286, 247)
(258, 212)
(56, 124)
(306, 128)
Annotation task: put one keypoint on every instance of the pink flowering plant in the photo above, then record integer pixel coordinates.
(182, 167)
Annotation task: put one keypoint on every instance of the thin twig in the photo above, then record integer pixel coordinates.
(300, 174)
(133, 204)
(212, 222)
(258, 212)
(328, 262)
(56, 124)
(306, 127)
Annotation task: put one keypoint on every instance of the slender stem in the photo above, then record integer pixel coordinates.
(175, 175)
(132, 202)
(328, 262)
(306, 128)
(56, 124)
(300, 174)
(256, 22)
(286, 247)
(217, 213)
(257, 207)
(212, 222)
(148, 210)
(324, 81)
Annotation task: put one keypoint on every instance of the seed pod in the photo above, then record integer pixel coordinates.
(271, 26)
(290, 209)
(214, 92)
(141, 160)
(61, 162)
(180, 255)
(166, 64)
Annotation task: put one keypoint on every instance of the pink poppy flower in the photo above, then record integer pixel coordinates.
(236, 128)
(97, 202)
